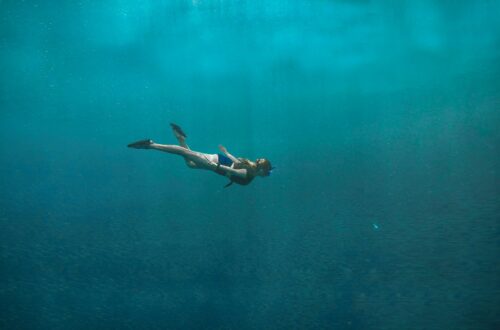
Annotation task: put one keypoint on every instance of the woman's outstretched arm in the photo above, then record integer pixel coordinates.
(229, 170)
(224, 150)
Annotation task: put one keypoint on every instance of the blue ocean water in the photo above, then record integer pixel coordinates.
(382, 118)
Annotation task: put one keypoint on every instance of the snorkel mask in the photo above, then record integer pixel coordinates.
(270, 171)
(265, 166)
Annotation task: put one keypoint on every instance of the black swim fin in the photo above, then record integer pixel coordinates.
(143, 144)
(178, 130)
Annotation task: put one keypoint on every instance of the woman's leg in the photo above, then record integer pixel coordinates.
(193, 159)
(181, 137)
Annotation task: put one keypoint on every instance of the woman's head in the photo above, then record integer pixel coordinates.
(263, 167)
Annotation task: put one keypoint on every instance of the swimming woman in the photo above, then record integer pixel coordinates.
(239, 170)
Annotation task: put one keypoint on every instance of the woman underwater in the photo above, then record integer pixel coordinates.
(239, 170)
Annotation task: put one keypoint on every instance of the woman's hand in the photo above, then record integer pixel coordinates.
(222, 148)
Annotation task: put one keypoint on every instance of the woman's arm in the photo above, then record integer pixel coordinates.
(229, 170)
(224, 150)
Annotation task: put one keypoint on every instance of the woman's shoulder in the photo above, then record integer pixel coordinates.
(243, 163)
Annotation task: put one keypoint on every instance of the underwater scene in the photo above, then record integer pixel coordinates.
(362, 138)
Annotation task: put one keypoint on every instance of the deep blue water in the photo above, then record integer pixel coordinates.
(382, 118)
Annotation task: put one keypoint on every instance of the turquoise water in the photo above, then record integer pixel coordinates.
(382, 118)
